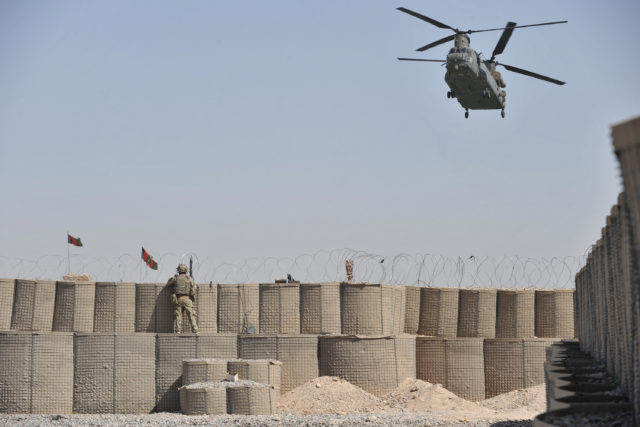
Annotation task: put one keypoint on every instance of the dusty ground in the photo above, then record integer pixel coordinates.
(330, 401)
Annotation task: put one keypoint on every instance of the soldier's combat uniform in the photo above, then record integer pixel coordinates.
(184, 290)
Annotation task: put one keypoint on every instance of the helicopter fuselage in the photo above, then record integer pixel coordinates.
(472, 82)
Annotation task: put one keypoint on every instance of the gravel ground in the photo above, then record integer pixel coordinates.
(170, 419)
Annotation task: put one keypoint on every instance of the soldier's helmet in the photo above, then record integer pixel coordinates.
(182, 268)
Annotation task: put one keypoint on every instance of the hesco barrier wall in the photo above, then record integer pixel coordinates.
(513, 363)
(7, 287)
(375, 364)
(554, 313)
(115, 307)
(456, 363)
(172, 349)
(372, 309)
(320, 308)
(477, 313)
(608, 287)
(238, 307)
(114, 373)
(204, 399)
(206, 304)
(515, 314)
(33, 305)
(203, 370)
(412, 309)
(280, 308)
(250, 398)
(36, 372)
(626, 283)
(74, 307)
(439, 312)
(261, 371)
(298, 354)
(154, 311)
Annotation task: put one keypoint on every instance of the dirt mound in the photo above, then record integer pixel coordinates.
(525, 403)
(329, 395)
(418, 395)
(332, 395)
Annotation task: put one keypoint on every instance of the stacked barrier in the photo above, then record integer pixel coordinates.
(209, 386)
(238, 306)
(554, 313)
(206, 305)
(154, 311)
(208, 398)
(74, 307)
(372, 309)
(477, 313)
(513, 363)
(412, 310)
(172, 349)
(456, 363)
(320, 308)
(203, 370)
(439, 312)
(298, 354)
(114, 373)
(280, 308)
(33, 305)
(377, 359)
(515, 313)
(115, 307)
(37, 372)
(7, 288)
(376, 364)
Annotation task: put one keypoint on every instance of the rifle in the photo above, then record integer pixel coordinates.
(191, 275)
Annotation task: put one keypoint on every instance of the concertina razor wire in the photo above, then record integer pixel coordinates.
(322, 266)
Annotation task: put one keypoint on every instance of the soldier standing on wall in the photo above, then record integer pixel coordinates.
(184, 290)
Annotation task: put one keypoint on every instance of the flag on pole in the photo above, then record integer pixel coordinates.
(75, 241)
(148, 259)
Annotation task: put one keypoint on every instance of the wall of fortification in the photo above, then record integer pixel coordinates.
(114, 351)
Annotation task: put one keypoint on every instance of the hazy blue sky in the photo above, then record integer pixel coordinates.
(252, 128)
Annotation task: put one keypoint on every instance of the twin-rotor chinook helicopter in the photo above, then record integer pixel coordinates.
(474, 81)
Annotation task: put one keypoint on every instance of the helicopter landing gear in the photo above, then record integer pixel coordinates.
(451, 94)
(502, 113)
(466, 113)
(448, 94)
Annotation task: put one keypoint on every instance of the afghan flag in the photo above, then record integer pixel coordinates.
(148, 259)
(75, 241)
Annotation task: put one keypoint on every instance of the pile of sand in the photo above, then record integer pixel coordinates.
(418, 395)
(332, 395)
(329, 395)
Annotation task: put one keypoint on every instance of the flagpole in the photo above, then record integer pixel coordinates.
(68, 256)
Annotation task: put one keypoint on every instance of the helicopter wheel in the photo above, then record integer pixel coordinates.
(466, 114)
(502, 114)
(448, 94)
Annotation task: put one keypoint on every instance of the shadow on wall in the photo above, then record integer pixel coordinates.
(168, 399)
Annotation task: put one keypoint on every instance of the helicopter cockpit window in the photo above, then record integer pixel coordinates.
(453, 50)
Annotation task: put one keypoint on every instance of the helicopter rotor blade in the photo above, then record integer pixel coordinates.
(504, 39)
(517, 26)
(426, 18)
(531, 74)
(419, 59)
(436, 43)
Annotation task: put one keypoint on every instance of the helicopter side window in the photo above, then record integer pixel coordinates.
(453, 50)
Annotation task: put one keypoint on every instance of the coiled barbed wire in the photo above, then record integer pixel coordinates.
(321, 266)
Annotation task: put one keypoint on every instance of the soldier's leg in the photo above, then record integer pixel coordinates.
(191, 312)
(177, 319)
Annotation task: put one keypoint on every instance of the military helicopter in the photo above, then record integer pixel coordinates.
(474, 81)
